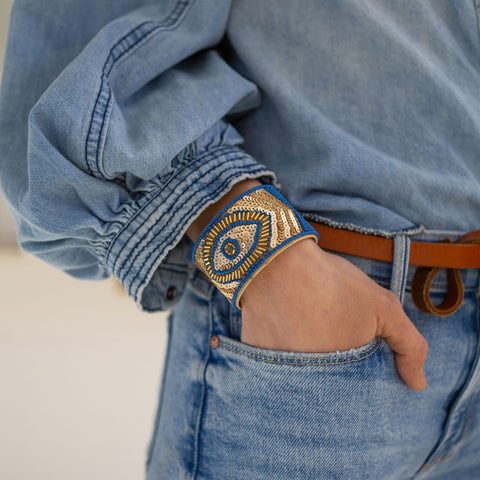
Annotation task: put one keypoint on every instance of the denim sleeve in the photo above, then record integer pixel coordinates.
(113, 131)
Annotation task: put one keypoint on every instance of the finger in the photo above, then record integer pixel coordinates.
(409, 345)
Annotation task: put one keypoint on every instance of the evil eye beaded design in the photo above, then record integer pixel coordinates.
(252, 229)
(230, 248)
(245, 236)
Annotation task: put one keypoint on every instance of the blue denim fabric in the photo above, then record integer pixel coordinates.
(113, 135)
(241, 412)
(120, 121)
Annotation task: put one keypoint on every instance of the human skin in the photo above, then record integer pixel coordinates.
(309, 300)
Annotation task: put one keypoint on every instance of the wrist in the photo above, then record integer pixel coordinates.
(197, 226)
(250, 231)
(284, 266)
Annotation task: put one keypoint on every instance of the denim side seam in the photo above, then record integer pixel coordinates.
(156, 424)
(201, 407)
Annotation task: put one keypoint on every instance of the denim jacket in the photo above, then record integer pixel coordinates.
(120, 121)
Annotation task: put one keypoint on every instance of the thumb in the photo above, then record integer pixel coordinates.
(409, 345)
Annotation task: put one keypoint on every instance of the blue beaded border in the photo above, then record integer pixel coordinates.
(308, 230)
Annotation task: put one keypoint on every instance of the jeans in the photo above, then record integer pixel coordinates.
(231, 411)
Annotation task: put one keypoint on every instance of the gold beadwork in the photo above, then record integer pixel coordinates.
(239, 231)
(251, 228)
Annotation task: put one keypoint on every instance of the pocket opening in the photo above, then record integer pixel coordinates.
(299, 358)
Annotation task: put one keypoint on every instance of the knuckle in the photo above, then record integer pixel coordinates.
(420, 347)
(392, 302)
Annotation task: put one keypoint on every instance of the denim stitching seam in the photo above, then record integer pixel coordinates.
(101, 142)
(406, 263)
(99, 110)
(153, 197)
(399, 275)
(201, 407)
(398, 255)
(185, 188)
(300, 361)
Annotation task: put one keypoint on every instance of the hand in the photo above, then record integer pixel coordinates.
(309, 300)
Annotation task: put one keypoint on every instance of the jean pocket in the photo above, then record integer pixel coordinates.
(280, 357)
(289, 414)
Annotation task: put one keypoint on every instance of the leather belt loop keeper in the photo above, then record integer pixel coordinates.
(429, 258)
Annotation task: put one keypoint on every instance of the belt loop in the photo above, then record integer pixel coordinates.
(401, 255)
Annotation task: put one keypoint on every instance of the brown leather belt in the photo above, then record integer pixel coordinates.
(428, 257)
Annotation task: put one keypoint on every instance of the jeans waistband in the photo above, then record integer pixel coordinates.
(471, 276)
(383, 272)
(399, 273)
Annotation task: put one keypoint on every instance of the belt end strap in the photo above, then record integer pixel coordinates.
(422, 282)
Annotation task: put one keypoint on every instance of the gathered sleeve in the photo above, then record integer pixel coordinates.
(114, 131)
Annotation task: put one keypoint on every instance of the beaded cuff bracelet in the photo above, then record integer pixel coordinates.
(245, 236)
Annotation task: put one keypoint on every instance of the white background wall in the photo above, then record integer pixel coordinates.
(7, 230)
(79, 369)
